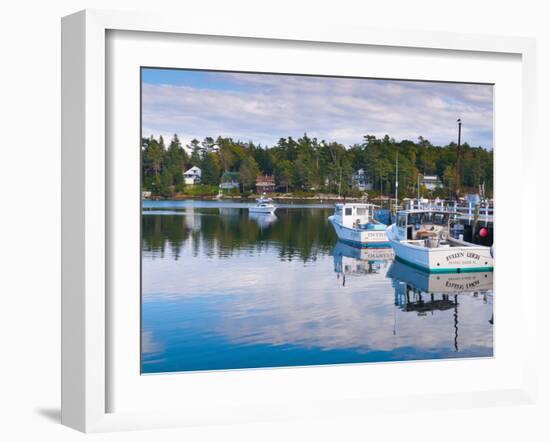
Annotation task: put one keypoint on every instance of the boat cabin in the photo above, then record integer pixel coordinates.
(263, 200)
(423, 225)
(355, 216)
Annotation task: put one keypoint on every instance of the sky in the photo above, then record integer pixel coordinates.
(264, 107)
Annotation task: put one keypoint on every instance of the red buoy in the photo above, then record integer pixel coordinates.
(483, 232)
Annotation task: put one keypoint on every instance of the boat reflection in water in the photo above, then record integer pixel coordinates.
(226, 289)
(429, 293)
(263, 219)
(441, 283)
(355, 261)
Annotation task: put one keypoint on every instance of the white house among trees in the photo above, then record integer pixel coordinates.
(192, 176)
(230, 181)
(431, 182)
(360, 181)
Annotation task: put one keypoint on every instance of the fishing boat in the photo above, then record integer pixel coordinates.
(354, 224)
(263, 205)
(422, 239)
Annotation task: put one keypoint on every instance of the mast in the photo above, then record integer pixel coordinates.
(396, 182)
(340, 183)
(458, 174)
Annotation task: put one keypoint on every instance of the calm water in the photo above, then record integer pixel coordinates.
(225, 289)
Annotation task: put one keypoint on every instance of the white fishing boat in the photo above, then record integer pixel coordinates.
(263, 205)
(422, 239)
(354, 224)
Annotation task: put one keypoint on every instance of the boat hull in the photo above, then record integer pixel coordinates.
(265, 210)
(442, 259)
(360, 237)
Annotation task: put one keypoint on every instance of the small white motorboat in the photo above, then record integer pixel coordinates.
(263, 205)
(421, 238)
(354, 224)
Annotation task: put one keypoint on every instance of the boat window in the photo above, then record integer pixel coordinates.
(348, 210)
(402, 220)
(440, 219)
(416, 219)
(338, 210)
(361, 211)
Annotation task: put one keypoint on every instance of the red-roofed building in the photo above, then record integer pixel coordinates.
(265, 184)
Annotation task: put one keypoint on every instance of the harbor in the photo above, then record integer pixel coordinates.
(309, 220)
(282, 290)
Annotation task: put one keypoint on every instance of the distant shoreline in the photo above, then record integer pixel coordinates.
(320, 197)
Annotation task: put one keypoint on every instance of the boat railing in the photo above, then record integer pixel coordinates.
(466, 211)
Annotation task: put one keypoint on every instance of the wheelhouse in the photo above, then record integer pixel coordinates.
(419, 224)
(355, 216)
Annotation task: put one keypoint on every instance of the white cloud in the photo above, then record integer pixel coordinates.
(263, 108)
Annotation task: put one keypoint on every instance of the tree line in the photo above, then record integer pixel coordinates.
(307, 165)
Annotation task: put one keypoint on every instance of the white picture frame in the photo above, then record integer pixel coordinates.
(87, 208)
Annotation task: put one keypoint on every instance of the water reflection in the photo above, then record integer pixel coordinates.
(263, 219)
(350, 260)
(301, 232)
(428, 293)
(222, 290)
(456, 283)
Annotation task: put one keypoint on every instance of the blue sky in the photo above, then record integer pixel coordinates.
(263, 107)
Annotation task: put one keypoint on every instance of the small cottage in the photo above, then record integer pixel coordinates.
(361, 181)
(431, 182)
(265, 184)
(192, 176)
(229, 181)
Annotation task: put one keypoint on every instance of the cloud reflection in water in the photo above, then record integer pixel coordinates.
(244, 295)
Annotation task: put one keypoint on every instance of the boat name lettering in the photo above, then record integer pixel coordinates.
(459, 287)
(454, 285)
(455, 255)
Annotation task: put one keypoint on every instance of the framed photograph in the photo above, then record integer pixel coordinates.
(292, 223)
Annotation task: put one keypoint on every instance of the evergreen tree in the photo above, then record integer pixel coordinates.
(211, 169)
(175, 160)
(195, 148)
(306, 164)
(166, 187)
(248, 172)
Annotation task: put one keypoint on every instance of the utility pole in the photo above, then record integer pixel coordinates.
(458, 174)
